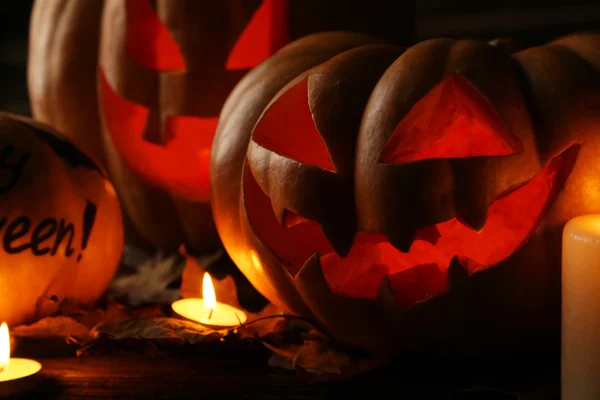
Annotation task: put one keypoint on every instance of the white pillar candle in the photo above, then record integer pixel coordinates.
(580, 364)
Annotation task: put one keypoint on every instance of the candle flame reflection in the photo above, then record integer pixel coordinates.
(4, 347)
(208, 294)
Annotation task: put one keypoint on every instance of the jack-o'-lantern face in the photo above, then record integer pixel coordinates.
(411, 199)
(166, 68)
(454, 121)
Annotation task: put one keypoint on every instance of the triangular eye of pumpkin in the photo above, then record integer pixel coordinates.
(265, 33)
(288, 129)
(454, 120)
(149, 42)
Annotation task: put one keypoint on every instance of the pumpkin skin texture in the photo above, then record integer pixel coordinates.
(147, 108)
(411, 199)
(61, 228)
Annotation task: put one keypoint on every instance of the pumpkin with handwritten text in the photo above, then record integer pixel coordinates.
(411, 199)
(61, 234)
(160, 71)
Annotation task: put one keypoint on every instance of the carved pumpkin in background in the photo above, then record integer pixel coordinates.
(159, 72)
(60, 227)
(411, 199)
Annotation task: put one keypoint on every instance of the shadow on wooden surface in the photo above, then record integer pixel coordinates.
(248, 376)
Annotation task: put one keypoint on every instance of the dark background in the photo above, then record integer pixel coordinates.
(532, 21)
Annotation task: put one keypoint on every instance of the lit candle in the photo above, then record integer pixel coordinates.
(580, 364)
(207, 310)
(17, 375)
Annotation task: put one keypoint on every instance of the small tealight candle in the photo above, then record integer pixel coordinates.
(207, 310)
(17, 375)
(580, 359)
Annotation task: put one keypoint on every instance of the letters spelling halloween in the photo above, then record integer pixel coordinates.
(48, 234)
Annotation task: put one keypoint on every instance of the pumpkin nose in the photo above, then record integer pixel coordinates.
(402, 239)
(339, 226)
(340, 239)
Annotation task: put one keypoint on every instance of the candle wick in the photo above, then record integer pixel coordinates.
(210, 313)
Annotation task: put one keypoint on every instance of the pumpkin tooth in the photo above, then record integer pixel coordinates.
(402, 239)
(458, 276)
(279, 212)
(472, 191)
(474, 218)
(385, 294)
(341, 240)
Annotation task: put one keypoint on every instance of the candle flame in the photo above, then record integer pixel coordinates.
(4, 347)
(208, 293)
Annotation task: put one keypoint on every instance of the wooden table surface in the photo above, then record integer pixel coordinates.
(238, 376)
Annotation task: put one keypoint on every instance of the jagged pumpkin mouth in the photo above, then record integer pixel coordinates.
(421, 272)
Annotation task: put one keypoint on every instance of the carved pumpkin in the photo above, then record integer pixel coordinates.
(411, 199)
(160, 71)
(60, 225)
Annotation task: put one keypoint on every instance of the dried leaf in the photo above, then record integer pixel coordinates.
(320, 357)
(311, 356)
(52, 327)
(149, 284)
(169, 329)
(317, 362)
(111, 312)
(75, 321)
(90, 317)
(299, 346)
(151, 336)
